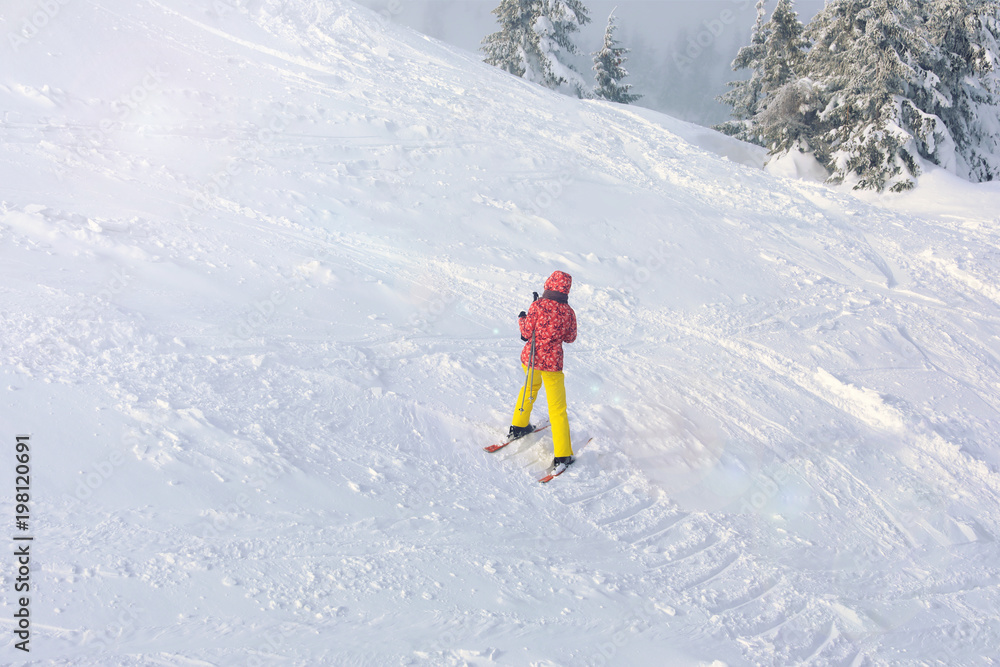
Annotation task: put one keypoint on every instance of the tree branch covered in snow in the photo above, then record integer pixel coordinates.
(873, 87)
(534, 40)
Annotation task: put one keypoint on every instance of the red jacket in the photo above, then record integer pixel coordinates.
(553, 322)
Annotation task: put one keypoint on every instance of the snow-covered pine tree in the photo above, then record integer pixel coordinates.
(745, 95)
(885, 82)
(965, 35)
(788, 110)
(681, 79)
(785, 47)
(609, 66)
(509, 47)
(988, 148)
(535, 41)
(559, 20)
(865, 58)
(776, 106)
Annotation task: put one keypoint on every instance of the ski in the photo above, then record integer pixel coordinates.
(559, 469)
(500, 445)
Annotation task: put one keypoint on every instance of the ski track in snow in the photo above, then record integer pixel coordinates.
(259, 312)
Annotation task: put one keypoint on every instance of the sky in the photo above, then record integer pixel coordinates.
(682, 50)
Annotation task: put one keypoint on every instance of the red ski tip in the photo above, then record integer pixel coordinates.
(560, 469)
(500, 445)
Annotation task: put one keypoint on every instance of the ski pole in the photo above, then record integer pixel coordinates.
(530, 373)
(531, 363)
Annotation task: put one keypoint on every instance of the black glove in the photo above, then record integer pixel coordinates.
(524, 314)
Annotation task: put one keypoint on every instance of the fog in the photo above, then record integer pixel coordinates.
(681, 49)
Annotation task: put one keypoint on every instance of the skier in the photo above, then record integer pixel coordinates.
(549, 322)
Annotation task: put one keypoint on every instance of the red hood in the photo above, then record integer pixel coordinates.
(559, 282)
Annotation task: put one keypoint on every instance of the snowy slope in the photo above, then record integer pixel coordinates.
(261, 263)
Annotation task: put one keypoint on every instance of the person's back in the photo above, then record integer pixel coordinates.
(549, 322)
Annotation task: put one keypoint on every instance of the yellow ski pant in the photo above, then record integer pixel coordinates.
(555, 392)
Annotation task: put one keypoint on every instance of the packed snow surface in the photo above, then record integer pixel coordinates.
(261, 264)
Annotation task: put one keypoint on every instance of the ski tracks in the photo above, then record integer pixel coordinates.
(757, 571)
(707, 577)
